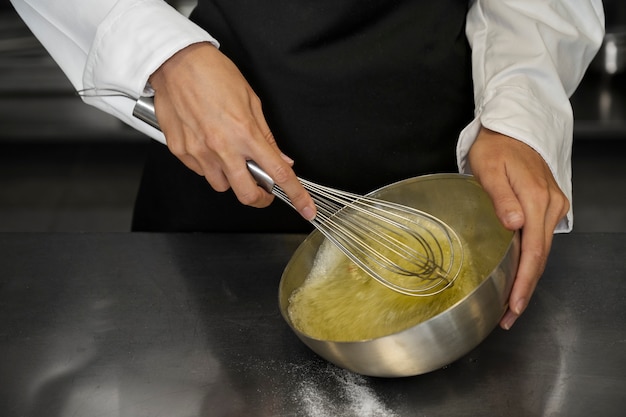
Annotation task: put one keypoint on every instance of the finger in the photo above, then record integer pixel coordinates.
(256, 109)
(248, 192)
(191, 152)
(285, 178)
(521, 293)
(269, 137)
(506, 203)
(217, 180)
(534, 249)
(175, 135)
(175, 142)
(191, 163)
(279, 169)
(257, 112)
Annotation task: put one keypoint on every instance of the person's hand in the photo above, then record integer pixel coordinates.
(213, 122)
(525, 196)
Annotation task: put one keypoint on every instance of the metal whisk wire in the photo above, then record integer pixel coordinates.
(403, 248)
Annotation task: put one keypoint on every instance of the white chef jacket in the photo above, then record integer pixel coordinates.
(528, 57)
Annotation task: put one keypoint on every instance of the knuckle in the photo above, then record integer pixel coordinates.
(220, 188)
(249, 198)
(244, 128)
(193, 148)
(269, 137)
(176, 147)
(562, 204)
(299, 196)
(506, 202)
(282, 174)
(542, 194)
(193, 165)
(538, 254)
(218, 184)
(255, 100)
(565, 206)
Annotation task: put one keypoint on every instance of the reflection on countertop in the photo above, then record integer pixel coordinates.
(138, 324)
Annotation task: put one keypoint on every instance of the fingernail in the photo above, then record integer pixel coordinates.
(286, 159)
(519, 307)
(508, 321)
(308, 213)
(514, 219)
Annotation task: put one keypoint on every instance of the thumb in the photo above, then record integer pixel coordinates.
(505, 201)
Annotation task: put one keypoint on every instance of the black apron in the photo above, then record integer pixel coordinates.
(360, 93)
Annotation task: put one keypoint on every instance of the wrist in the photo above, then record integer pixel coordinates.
(177, 61)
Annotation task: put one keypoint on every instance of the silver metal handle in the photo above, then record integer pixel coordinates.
(144, 111)
(262, 179)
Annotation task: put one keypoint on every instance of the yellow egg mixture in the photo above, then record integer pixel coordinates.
(339, 302)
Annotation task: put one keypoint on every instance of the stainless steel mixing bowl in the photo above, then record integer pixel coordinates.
(462, 203)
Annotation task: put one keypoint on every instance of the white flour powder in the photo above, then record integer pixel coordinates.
(318, 389)
(354, 397)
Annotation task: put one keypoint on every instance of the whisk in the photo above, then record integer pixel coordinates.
(405, 249)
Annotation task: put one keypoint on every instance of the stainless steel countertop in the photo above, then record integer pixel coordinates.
(188, 325)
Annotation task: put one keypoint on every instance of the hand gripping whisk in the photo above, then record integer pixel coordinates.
(403, 248)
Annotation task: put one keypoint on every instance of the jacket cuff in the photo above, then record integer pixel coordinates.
(515, 112)
(151, 31)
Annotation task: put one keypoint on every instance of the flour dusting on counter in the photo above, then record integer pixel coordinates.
(315, 388)
(313, 401)
(354, 397)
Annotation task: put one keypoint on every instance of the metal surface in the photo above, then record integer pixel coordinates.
(189, 325)
(144, 111)
(460, 202)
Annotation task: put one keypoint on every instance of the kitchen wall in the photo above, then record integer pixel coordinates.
(67, 167)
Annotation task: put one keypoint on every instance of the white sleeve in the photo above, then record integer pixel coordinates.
(528, 57)
(110, 44)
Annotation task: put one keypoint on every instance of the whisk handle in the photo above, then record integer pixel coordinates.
(144, 110)
(262, 179)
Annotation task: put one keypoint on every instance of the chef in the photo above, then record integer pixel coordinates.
(358, 93)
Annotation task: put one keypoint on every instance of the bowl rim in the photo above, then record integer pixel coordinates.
(315, 234)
